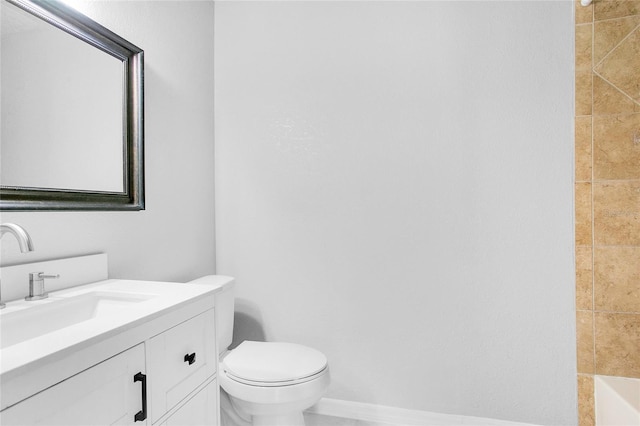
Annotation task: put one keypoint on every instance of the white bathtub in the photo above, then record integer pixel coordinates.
(617, 401)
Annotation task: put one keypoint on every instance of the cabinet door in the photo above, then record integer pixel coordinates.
(200, 410)
(105, 394)
(179, 360)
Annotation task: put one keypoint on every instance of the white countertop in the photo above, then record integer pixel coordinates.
(157, 298)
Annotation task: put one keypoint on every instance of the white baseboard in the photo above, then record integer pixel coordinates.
(399, 416)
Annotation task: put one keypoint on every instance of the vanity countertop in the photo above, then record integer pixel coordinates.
(104, 318)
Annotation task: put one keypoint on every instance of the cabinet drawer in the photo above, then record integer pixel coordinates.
(105, 394)
(179, 360)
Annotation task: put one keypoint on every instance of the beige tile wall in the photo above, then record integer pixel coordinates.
(607, 194)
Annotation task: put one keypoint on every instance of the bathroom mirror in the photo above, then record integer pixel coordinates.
(72, 113)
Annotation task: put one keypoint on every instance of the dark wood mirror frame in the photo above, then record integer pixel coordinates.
(132, 57)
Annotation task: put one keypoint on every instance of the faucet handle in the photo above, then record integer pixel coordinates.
(43, 275)
(36, 285)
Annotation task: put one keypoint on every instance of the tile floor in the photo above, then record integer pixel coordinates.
(319, 420)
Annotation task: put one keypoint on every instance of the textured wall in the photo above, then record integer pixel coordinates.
(607, 193)
(173, 239)
(394, 188)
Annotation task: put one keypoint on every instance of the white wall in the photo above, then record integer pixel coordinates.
(173, 239)
(394, 188)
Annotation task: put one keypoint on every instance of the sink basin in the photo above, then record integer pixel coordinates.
(50, 315)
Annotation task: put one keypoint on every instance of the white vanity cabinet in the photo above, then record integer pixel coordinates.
(161, 370)
(102, 395)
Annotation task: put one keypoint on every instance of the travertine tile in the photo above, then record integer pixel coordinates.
(608, 9)
(616, 207)
(584, 14)
(616, 153)
(583, 46)
(617, 340)
(584, 339)
(612, 94)
(583, 148)
(617, 279)
(621, 67)
(607, 34)
(608, 100)
(583, 214)
(586, 406)
(584, 278)
(583, 92)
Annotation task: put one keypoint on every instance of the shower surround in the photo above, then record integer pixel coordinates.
(607, 191)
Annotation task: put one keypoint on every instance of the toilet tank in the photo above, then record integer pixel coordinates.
(224, 301)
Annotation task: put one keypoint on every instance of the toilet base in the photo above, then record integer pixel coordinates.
(229, 416)
(232, 415)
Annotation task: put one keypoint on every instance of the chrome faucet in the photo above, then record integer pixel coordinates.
(24, 241)
(36, 285)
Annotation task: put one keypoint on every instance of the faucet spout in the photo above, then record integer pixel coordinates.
(24, 240)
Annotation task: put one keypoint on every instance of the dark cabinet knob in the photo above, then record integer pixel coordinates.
(190, 358)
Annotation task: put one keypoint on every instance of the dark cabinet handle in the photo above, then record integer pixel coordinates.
(190, 358)
(142, 414)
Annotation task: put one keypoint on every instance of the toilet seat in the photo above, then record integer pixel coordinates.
(273, 364)
(276, 396)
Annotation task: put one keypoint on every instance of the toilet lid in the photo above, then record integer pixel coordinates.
(270, 362)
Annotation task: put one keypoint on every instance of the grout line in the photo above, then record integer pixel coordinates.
(615, 246)
(617, 312)
(593, 213)
(612, 180)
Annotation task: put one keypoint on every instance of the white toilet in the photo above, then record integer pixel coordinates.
(267, 383)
